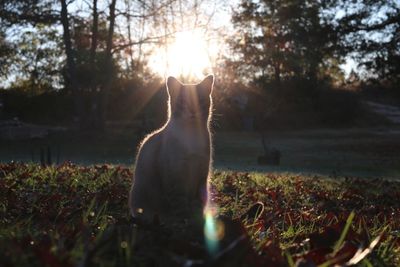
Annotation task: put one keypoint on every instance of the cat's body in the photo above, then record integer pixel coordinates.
(173, 163)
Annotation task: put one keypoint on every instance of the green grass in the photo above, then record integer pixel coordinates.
(72, 215)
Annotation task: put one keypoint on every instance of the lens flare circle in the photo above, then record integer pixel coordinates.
(214, 231)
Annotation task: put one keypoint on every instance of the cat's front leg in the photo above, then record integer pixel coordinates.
(197, 197)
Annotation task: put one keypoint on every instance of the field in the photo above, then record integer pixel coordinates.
(363, 152)
(69, 215)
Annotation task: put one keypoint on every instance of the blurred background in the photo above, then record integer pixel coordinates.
(301, 86)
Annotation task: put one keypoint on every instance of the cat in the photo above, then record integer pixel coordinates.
(173, 163)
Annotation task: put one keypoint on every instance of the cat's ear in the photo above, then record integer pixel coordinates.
(173, 86)
(206, 85)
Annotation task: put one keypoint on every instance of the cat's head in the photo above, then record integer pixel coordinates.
(190, 101)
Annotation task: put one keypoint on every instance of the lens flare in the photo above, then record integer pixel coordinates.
(214, 230)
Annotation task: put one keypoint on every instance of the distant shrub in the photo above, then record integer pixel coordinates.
(125, 103)
(53, 107)
(295, 103)
(380, 92)
(337, 107)
(299, 103)
(306, 103)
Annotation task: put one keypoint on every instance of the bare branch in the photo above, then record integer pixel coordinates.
(148, 40)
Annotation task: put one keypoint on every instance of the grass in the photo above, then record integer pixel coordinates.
(71, 215)
(367, 153)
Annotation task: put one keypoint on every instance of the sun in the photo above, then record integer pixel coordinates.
(188, 56)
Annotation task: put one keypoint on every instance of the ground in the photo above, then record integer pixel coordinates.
(364, 152)
(335, 194)
(71, 215)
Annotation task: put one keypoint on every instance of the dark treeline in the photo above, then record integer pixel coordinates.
(86, 62)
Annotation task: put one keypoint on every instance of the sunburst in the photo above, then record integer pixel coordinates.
(188, 56)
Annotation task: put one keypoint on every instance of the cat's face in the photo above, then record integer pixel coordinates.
(190, 101)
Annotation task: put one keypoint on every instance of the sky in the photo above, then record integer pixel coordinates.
(201, 45)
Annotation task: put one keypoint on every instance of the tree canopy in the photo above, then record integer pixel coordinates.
(93, 48)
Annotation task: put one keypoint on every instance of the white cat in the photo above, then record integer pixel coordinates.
(173, 163)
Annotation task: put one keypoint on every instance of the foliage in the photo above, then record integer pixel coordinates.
(55, 108)
(47, 108)
(70, 215)
(25, 12)
(276, 37)
(38, 61)
(298, 103)
(6, 55)
(338, 107)
(91, 76)
(285, 45)
(369, 32)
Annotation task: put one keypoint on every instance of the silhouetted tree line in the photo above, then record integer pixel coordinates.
(280, 40)
(90, 53)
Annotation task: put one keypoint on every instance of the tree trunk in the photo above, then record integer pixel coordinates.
(71, 67)
(94, 34)
(128, 24)
(110, 33)
(108, 65)
(94, 94)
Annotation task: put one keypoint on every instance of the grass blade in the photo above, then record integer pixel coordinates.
(339, 243)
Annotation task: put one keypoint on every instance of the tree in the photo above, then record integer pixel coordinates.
(24, 12)
(109, 70)
(37, 64)
(101, 49)
(7, 52)
(14, 15)
(370, 33)
(71, 79)
(282, 38)
(95, 26)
